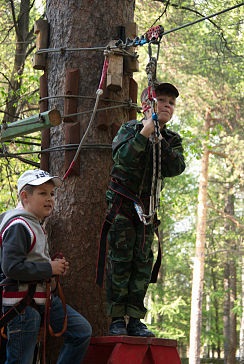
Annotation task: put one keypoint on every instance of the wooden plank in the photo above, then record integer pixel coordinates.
(45, 142)
(41, 29)
(72, 81)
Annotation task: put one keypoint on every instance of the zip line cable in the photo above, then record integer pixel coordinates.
(208, 17)
(202, 19)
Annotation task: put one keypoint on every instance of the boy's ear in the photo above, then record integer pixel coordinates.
(23, 195)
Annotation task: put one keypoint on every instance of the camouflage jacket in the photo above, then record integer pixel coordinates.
(133, 158)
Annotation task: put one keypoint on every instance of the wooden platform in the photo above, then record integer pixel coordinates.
(131, 350)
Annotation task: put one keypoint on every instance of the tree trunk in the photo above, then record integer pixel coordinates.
(198, 268)
(216, 316)
(230, 337)
(21, 25)
(242, 317)
(80, 203)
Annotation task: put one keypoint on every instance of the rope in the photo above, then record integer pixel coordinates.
(156, 177)
(99, 92)
(155, 138)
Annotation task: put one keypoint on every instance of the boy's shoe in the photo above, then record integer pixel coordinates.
(118, 328)
(136, 328)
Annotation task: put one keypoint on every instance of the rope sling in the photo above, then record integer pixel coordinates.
(156, 137)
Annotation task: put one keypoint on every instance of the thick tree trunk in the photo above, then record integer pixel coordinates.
(80, 206)
(198, 269)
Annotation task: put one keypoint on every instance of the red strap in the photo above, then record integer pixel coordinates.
(144, 109)
(151, 93)
(104, 72)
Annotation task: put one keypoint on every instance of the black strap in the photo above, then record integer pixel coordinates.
(109, 219)
(118, 188)
(157, 264)
(19, 307)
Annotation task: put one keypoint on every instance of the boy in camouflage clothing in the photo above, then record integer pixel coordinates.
(130, 258)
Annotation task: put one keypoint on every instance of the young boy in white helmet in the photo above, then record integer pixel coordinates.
(25, 258)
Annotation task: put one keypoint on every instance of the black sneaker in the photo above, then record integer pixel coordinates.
(136, 328)
(118, 328)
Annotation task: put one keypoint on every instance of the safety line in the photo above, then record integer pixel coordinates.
(81, 97)
(63, 49)
(202, 19)
(58, 148)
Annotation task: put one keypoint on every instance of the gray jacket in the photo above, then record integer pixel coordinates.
(24, 254)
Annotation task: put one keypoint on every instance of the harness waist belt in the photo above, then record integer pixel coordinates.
(11, 298)
(20, 306)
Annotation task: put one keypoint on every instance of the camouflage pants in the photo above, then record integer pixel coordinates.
(129, 264)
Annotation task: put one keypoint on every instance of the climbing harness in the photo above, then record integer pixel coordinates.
(28, 300)
(18, 307)
(122, 193)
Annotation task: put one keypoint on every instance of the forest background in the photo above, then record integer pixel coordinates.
(202, 210)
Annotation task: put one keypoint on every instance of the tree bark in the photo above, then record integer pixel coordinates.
(80, 204)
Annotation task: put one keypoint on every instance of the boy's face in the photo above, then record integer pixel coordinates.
(41, 202)
(166, 106)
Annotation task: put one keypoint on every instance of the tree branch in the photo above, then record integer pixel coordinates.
(225, 215)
